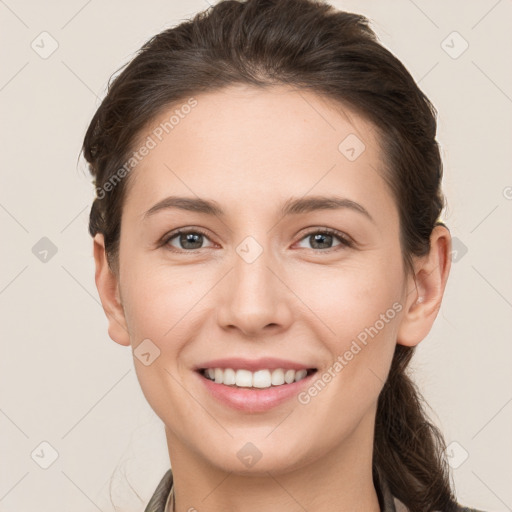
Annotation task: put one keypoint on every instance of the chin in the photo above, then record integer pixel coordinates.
(252, 459)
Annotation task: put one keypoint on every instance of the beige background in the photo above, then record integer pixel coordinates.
(65, 383)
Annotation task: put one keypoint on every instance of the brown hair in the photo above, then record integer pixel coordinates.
(310, 45)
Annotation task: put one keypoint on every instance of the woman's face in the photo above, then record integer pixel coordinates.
(253, 282)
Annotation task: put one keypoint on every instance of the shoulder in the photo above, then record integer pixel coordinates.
(400, 507)
(158, 500)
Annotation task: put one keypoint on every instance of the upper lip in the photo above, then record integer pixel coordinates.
(264, 363)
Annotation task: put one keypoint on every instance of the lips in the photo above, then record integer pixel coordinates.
(253, 365)
(243, 384)
(251, 399)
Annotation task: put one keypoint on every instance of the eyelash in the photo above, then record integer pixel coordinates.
(343, 239)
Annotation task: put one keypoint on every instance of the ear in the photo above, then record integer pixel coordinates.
(108, 288)
(425, 289)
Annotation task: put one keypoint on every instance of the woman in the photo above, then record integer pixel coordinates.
(267, 239)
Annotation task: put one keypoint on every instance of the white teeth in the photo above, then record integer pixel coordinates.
(258, 379)
(261, 379)
(277, 377)
(243, 378)
(229, 377)
(300, 375)
(289, 376)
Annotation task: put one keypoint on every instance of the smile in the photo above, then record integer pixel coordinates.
(254, 392)
(259, 379)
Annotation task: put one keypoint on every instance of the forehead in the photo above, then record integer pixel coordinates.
(256, 146)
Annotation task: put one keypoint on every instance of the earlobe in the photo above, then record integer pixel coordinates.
(108, 288)
(426, 289)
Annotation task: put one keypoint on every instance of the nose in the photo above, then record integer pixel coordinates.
(255, 298)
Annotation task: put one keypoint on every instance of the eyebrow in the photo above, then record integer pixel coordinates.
(293, 206)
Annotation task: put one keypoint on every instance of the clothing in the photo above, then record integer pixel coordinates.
(161, 500)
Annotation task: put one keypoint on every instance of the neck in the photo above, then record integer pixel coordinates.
(338, 481)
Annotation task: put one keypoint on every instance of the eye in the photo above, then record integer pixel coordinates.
(323, 238)
(189, 240)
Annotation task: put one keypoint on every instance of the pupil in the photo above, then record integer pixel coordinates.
(191, 238)
(320, 236)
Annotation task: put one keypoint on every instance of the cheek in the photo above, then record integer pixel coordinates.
(351, 298)
(357, 311)
(160, 305)
(157, 300)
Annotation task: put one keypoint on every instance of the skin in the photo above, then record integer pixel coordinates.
(251, 150)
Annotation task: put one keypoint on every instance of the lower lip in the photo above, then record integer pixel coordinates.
(254, 399)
